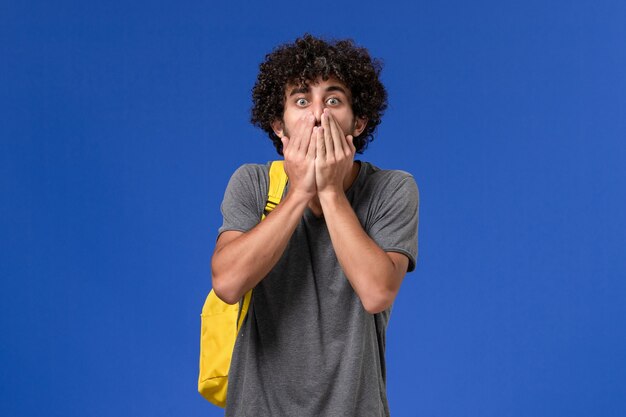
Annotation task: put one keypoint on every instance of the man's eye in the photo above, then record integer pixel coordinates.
(301, 102)
(333, 101)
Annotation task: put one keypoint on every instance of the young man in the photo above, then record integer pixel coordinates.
(327, 263)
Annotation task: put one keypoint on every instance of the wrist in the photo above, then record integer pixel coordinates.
(299, 197)
(331, 196)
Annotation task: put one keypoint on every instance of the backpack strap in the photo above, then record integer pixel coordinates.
(278, 181)
(243, 312)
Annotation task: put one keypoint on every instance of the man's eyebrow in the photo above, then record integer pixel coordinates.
(305, 89)
(299, 90)
(336, 88)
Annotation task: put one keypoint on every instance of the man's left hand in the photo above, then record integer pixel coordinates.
(334, 156)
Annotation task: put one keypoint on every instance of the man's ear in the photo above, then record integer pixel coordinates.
(278, 127)
(360, 123)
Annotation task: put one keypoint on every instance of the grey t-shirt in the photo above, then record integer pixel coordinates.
(307, 346)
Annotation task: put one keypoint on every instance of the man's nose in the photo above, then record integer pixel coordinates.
(318, 109)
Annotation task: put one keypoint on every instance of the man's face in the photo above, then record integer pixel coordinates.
(314, 98)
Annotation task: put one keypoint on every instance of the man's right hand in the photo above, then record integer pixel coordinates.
(299, 152)
(242, 259)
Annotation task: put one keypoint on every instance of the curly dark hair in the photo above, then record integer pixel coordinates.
(304, 61)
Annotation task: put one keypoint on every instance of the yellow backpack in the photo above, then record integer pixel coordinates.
(221, 322)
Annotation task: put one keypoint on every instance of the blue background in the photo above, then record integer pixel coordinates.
(121, 122)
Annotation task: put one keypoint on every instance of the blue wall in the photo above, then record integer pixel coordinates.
(120, 125)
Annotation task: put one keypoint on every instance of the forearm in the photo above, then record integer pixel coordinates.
(240, 263)
(371, 271)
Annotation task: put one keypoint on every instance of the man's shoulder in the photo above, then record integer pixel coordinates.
(251, 173)
(252, 168)
(389, 178)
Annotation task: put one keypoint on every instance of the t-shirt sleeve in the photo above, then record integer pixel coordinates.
(243, 201)
(395, 221)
